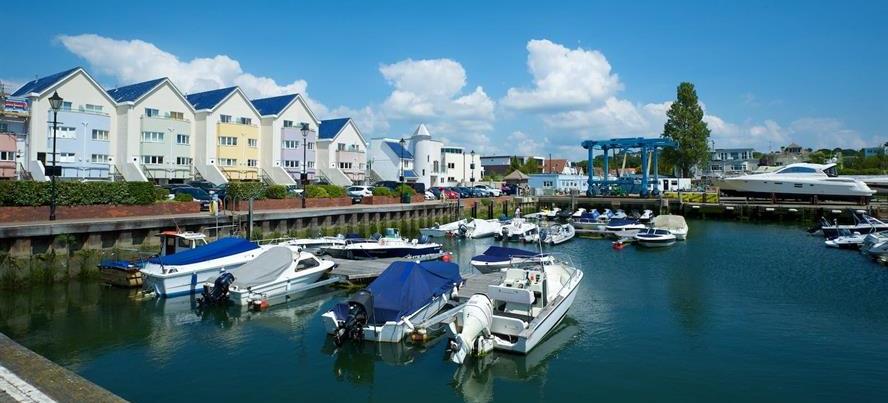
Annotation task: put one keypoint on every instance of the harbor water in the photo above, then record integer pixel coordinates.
(739, 312)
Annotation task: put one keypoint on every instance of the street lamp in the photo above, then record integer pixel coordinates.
(55, 102)
(403, 143)
(304, 177)
(472, 166)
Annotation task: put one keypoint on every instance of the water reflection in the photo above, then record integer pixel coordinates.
(356, 362)
(474, 380)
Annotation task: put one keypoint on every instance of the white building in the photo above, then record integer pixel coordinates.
(384, 160)
(557, 183)
(342, 152)
(282, 118)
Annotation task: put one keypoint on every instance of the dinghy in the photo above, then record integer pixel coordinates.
(406, 293)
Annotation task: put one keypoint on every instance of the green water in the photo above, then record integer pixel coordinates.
(739, 312)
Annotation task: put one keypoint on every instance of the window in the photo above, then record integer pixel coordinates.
(361, 166)
(183, 161)
(345, 165)
(310, 164)
(340, 147)
(435, 167)
(152, 159)
(177, 115)
(67, 157)
(451, 165)
(796, 170)
(152, 137)
(225, 118)
(151, 112)
(66, 105)
(92, 108)
(227, 141)
(244, 121)
(310, 145)
(99, 158)
(289, 144)
(7, 155)
(252, 143)
(288, 123)
(307, 264)
(100, 135)
(64, 132)
(183, 139)
(291, 163)
(3, 127)
(252, 163)
(227, 162)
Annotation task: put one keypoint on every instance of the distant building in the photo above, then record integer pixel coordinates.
(731, 161)
(561, 166)
(426, 160)
(14, 114)
(502, 164)
(874, 151)
(557, 183)
(342, 152)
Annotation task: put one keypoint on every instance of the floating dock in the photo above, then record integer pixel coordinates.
(363, 271)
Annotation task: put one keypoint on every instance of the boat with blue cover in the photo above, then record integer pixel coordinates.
(125, 273)
(185, 272)
(406, 293)
(390, 245)
(496, 258)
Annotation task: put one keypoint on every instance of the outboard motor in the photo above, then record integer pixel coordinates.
(544, 234)
(463, 230)
(475, 337)
(360, 307)
(219, 294)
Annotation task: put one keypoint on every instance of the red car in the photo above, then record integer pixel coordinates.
(447, 193)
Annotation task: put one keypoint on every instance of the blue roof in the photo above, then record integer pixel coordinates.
(41, 84)
(396, 147)
(410, 174)
(331, 127)
(272, 105)
(213, 250)
(404, 287)
(209, 99)
(133, 92)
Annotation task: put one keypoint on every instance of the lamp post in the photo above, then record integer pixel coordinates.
(55, 102)
(402, 143)
(304, 177)
(472, 166)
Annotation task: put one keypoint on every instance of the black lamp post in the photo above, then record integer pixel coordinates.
(55, 102)
(403, 144)
(472, 166)
(304, 176)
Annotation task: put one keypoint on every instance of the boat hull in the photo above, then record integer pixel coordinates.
(380, 253)
(121, 278)
(658, 243)
(390, 332)
(274, 289)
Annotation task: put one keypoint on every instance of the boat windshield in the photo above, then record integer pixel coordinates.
(832, 172)
(391, 233)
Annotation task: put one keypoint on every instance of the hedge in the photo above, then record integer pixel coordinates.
(245, 190)
(161, 194)
(401, 189)
(183, 197)
(382, 191)
(316, 191)
(334, 191)
(31, 193)
(276, 192)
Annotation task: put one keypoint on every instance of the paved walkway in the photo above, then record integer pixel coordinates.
(15, 389)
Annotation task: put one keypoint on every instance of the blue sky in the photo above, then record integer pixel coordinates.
(768, 74)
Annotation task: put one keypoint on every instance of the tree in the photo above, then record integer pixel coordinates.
(686, 127)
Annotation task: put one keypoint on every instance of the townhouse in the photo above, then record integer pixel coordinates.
(342, 152)
(289, 136)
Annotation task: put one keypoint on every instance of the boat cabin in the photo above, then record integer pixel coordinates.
(172, 242)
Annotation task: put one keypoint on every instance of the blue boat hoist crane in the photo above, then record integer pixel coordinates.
(601, 186)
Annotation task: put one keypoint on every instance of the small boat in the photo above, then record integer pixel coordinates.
(496, 258)
(676, 224)
(406, 293)
(590, 221)
(517, 230)
(125, 273)
(863, 223)
(316, 245)
(646, 216)
(480, 228)
(875, 244)
(181, 273)
(579, 213)
(384, 246)
(619, 214)
(516, 314)
(558, 234)
(654, 238)
(272, 277)
(442, 230)
(619, 225)
(846, 240)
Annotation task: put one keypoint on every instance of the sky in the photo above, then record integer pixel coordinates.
(497, 77)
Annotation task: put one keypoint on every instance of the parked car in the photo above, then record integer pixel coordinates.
(197, 194)
(508, 190)
(464, 192)
(206, 185)
(493, 192)
(447, 192)
(172, 186)
(392, 185)
(359, 191)
(435, 191)
(429, 195)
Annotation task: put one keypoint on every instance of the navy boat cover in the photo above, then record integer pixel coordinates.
(404, 287)
(501, 254)
(213, 250)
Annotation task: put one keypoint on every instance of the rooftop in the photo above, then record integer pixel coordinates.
(331, 127)
(398, 150)
(41, 84)
(209, 99)
(130, 93)
(273, 105)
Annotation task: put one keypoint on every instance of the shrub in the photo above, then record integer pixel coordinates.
(276, 192)
(334, 191)
(401, 189)
(161, 194)
(381, 191)
(183, 197)
(246, 190)
(315, 191)
(31, 193)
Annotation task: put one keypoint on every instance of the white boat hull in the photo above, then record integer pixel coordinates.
(272, 290)
(174, 281)
(391, 332)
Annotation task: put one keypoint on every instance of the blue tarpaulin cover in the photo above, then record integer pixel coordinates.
(499, 253)
(213, 250)
(404, 287)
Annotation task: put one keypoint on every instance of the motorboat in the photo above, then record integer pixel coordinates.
(646, 216)
(676, 224)
(875, 244)
(557, 234)
(590, 221)
(863, 223)
(516, 314)
(798, 181)
(578, 213)
(496, 258)
(183, 272)
(619, 214)
(517, 230)
(126, 273)
(846, 240)
(654, 238)
(272, 277)
(480, 228)
(384, 246)
(620, 225)
(317, 245)
(442, 230)
(405, 294)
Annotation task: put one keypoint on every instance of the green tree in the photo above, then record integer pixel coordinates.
(531, 166)
(686, 127)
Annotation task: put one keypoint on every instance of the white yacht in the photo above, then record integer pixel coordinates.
(846, 240)
(655, 238)
(802, 180)
(389, 245)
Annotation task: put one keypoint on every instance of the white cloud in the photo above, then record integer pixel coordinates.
(526, 144)
(367, 119)
(819, 132)
(131, 61)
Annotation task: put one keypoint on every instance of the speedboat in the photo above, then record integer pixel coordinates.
(676, 224)
(621, 225)
(863, 223)
(272, 277)
(442, 230)
(181, 273)
(517, 230)
(646, 216)
(496, 258)
(405, 294)
(580, 211)
(799, 181)
(654, 238)
(846, 240)
(385, 246)
(516, 314)
(875, 244)
(558, 234)
(480, 228)
(316, 245)
(125, 273)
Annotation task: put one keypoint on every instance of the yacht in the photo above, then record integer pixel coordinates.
(126, 273)
(316, 245)
(480, 228)
(676, 224)
(590, 221)
(801, 180)
(622, 225)
(846, 240)
(384, 246)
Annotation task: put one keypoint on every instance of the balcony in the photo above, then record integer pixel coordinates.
(183, 120)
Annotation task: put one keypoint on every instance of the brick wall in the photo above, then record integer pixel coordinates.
(295, 203)
(41, 213)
